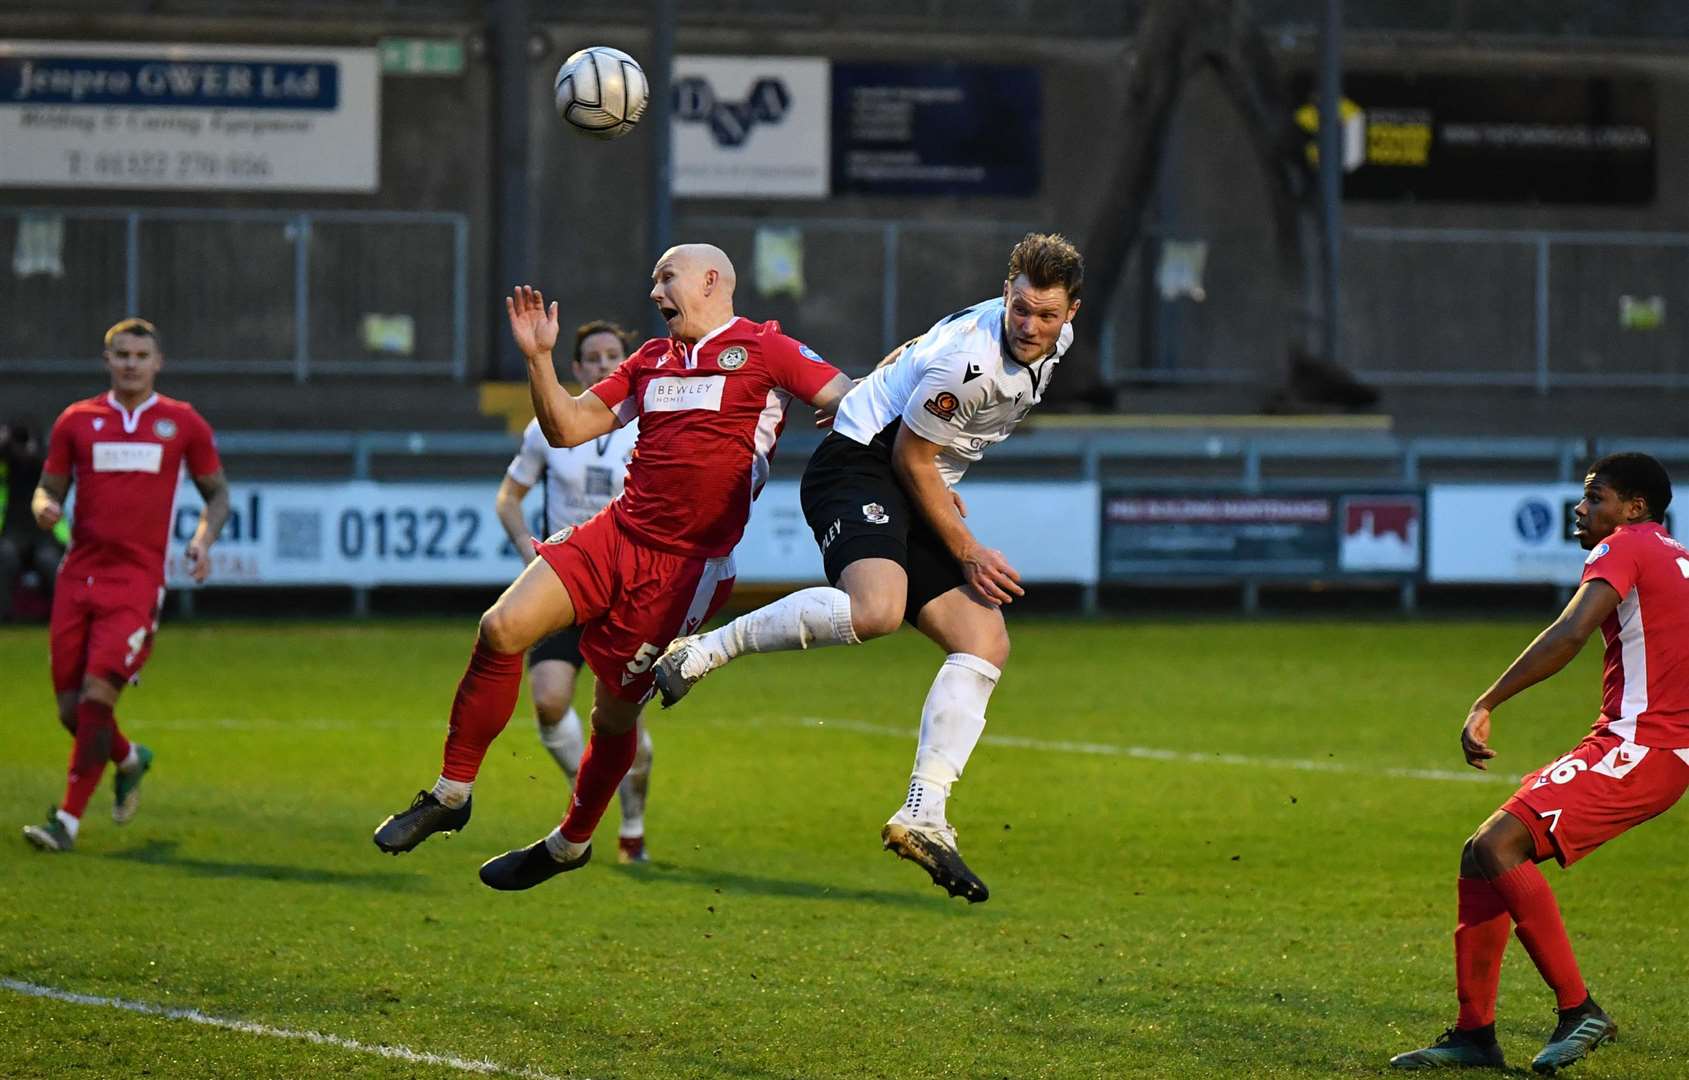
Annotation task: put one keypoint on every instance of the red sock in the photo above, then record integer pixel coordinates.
(119, 744)
(1480, 939)
(486, 696)
(1541, 931)
(88, 757)
(607, 759)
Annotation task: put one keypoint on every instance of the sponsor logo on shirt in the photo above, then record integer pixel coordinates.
(809, 354)
(875, 514)
(673, 393)
(128, 457)
(164, 428)
(942, 405)
(1596, 552)
(732, 358)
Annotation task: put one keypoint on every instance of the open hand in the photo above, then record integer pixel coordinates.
(532, 325)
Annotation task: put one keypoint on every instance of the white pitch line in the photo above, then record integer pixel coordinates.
(1189, 757)
(398, 1053)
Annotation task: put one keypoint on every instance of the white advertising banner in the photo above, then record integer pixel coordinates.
(365, 533)
(77, 114)
(1503, 534)
(752, 126)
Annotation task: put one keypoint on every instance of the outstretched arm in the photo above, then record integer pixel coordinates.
(1552, 650)
(915, 460)
(566, 419)
(214, 489)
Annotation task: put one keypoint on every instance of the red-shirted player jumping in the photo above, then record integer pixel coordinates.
(656, 563)
(124, 450)
(1632, 766)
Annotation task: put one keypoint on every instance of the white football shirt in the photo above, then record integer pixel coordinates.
(956, 385)
(579, 480)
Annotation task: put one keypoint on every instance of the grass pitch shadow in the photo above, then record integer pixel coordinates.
(163, 853)
(758, 885)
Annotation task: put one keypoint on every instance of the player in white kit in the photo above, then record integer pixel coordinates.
(578, 482)
(878, 494)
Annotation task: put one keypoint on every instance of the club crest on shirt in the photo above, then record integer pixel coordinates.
(99, 422)
(732, 358)
(1596, 552)
(164, 428)
(875, 514)
(942, 405)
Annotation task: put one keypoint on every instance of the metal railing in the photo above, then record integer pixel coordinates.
(1542, 309)
(240, 291)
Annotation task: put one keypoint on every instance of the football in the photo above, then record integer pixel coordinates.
(601, 92)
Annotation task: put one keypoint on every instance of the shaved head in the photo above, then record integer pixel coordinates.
(692, 286)
(702, 257)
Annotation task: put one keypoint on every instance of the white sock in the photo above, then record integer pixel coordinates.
(563, 850)
(71, 824)
(952, 720)
(635, 785)
(130, 763)
(565, 742)
(807, 619)
(452, 793)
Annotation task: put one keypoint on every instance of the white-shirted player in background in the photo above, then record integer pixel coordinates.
(878, 495)
(579, 482)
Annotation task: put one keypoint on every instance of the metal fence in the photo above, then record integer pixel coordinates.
(291, 292)
(864, 284)
(1516, 308)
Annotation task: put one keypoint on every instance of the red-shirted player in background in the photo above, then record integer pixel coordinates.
(1633, 765)
(124, 451)
(654, 564)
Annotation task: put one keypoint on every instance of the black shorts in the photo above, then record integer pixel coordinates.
(858, 510)
(565, 645)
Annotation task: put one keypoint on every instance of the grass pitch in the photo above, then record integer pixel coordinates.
(1271, 897)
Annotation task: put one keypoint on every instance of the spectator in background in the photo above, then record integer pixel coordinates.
(27, 551)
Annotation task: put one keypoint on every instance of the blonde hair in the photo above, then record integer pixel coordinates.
(137, 326)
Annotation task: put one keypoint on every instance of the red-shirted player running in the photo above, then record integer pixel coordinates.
(1632, 766)
(124, 450)
(654, 564)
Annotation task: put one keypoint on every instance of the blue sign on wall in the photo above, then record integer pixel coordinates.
(906, 129)
(153, 82)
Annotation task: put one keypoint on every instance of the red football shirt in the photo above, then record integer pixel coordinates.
(1645, 682)
(124, 466)
(709, 415)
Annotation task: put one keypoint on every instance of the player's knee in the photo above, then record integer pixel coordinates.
(875, 616)
(550, 706)
(1496, 850)
(500, 632)
(1469, 867)
(994, 648)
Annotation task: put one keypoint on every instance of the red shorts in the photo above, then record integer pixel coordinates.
(631, 600)
(1606, 785)
(102, 626)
